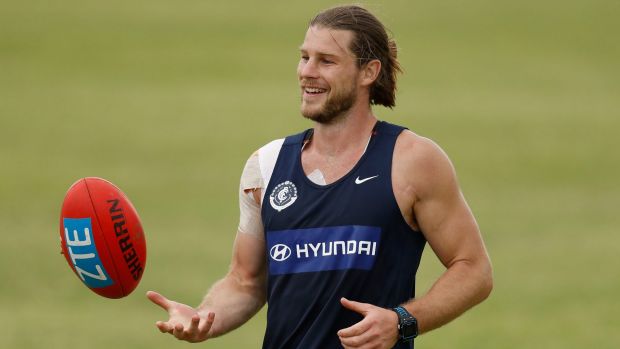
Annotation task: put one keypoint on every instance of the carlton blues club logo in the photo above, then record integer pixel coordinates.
(283, 195)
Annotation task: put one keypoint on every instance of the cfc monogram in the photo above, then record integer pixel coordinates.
(283, 195)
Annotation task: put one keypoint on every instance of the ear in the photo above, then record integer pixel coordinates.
(369, 72)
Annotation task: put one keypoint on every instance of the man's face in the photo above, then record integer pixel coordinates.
(328, 74)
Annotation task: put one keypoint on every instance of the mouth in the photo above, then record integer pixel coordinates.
(313, 91)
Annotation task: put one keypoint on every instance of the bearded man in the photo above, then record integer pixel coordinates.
(334, 219)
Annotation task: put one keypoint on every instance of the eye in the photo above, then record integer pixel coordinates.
(304, 58)
(326, 61)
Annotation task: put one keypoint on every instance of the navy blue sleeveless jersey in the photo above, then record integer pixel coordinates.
(346, 239)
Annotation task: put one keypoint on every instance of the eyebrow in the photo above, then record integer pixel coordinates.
(301, 49)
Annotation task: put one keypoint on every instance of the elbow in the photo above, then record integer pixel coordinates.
(251, 282)
(486, 281)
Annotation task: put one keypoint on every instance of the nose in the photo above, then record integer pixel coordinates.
(307, 69)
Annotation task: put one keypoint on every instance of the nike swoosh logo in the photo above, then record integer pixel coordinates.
(360, 181)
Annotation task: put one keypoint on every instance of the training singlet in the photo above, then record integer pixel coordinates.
(323, 242)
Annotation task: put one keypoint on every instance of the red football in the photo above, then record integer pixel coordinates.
(102, 238)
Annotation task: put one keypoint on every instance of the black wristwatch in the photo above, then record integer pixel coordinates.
(407, 325)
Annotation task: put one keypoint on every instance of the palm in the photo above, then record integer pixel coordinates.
(184, 322)
(181, 314)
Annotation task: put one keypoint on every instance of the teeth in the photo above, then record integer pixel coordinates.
(314, 90)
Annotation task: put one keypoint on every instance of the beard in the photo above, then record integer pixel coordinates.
(333, 108)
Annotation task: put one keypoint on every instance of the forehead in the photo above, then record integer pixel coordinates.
(327, 41)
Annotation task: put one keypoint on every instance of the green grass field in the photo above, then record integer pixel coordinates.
(167, 99)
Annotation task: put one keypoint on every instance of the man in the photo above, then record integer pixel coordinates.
(334, 219)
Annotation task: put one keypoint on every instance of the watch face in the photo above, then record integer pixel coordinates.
(409, 329)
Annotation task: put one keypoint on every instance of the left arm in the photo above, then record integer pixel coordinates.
(428, 193)
(452, 232)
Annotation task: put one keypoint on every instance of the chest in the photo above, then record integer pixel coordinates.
(330, 167)
(361, 195)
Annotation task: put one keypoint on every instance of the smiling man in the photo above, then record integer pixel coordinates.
(334, 219)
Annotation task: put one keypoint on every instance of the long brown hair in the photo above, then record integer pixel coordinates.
(370, 42)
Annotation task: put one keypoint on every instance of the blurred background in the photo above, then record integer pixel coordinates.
(167, 99)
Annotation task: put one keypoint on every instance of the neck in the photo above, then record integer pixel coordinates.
(349, 132)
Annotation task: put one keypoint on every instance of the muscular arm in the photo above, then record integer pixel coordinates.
(439, 209)
(241, 293)
(234, 299)
(231, 301)
(430, 200)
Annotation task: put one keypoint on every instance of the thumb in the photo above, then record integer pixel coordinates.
(158, 299)
(361, 308)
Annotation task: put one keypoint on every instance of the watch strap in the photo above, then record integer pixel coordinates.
(407, 325)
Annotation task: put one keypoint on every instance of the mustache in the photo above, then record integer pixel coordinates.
(310, 84)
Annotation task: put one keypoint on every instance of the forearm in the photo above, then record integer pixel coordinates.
(234, 300)
(463, 285)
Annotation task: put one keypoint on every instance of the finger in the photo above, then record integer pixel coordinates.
(364, 339)
(177, 331)
(355, 330)
(205, 326)
(164, 327)
(193, 326)
(361, 308)
(158, 299)
(354, 342)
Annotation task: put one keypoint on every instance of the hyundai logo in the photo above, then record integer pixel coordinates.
(280, 252)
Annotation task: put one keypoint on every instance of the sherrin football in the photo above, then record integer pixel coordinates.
(101, 237)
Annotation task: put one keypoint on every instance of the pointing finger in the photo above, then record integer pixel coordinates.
(361, 308)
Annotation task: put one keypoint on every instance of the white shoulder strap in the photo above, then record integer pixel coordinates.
(267, 157)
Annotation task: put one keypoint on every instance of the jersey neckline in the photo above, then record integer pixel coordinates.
(308, 135)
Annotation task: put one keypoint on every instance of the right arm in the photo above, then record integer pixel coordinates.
(242, 292)
(234, 299)
(229, 303)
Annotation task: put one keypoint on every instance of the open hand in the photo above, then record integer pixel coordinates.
(185, 322)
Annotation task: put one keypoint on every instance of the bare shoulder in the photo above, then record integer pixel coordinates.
(410, 144)
(421, 166)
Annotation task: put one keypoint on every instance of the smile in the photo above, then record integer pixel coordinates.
(314, 90)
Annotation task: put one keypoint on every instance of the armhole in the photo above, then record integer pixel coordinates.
(416, 228)
(267, 157)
